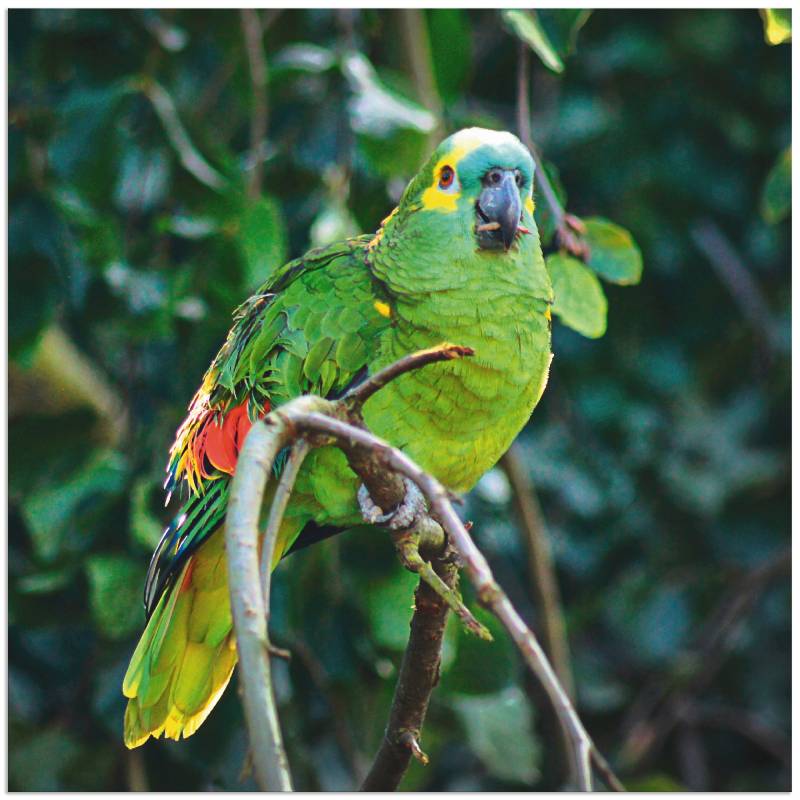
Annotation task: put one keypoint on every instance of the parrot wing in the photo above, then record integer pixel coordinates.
(310, 328)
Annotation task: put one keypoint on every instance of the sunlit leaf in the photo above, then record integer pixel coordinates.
(776, 196)
(579, 299)
(143, 179)
(562, 26)
(777, 24)
(613, 254)
(525, 25)
(304, 57)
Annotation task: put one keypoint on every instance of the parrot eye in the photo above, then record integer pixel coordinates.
(446, 177)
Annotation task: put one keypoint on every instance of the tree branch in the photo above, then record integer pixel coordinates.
(419, 674)
(259, 118)
(191, 159)
(661, 703)
(544, 583)
(322, 423)
(414, 33)
(566, 225)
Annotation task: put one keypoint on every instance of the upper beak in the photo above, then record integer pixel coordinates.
(499, 202)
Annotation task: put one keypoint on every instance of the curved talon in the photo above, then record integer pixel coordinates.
(402, 517)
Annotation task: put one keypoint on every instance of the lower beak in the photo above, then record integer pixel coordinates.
(499, 210)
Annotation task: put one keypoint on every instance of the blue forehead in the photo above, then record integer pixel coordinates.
(476, 150)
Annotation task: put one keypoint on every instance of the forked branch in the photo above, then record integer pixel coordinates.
(322, 422)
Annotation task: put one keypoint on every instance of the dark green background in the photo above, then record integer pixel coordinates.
(660, 452)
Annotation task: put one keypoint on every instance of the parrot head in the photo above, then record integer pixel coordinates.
(478, 182)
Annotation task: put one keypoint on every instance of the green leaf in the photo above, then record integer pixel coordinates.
(115, 584)
(563, 26)
(525, 25)
(262, 239)
(480, 667)
(776, 197)
(51, 512)
(143, 179)
(449, 28)
(390, 604)
(392, 130)
(613, 253)
(777, 25)
(145, 527)
(579, 299)
(38, 762)
(499, 731)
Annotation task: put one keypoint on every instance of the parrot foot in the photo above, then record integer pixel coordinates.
(407, 544)
(411, 530)
(402, 517)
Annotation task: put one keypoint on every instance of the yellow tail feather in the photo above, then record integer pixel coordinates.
(187, 653)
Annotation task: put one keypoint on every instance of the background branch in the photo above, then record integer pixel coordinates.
(566, 225)
(661, 705)
(259, 117)
(543, 578)
(191, 159)
(414, 33)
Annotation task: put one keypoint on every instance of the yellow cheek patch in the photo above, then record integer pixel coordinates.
(384, 309)
(433, 198)
(547, 315)
(529, 205)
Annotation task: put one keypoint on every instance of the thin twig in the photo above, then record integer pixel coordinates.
(543, 582)
(191, 159)
(545, 586)
(658, 709)
(738, 280)
(566, 225)
(359, 394)
(419, 674)
(259, 119)
(414, 33)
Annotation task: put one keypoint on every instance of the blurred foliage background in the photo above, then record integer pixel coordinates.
(160, 163)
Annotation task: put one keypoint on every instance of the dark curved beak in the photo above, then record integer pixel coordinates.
(498, 210)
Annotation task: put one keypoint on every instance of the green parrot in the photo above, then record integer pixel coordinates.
(458, 260)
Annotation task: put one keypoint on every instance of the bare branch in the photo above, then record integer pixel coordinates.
(319, 422)
(419, 673)
(359, 395)
(250, 612)
(544, 583)
(187, 153)
(489, 592)
(566, 225)
(738, 280)
(259, 119)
